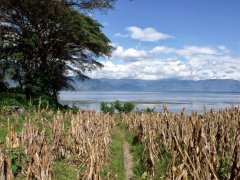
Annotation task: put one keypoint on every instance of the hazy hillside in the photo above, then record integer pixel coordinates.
(156, 85)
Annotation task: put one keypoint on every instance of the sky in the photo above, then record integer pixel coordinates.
(172, 39)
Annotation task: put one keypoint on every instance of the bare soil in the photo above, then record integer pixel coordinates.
(128, 161)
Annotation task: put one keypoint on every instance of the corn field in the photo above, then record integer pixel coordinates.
(81, 138)
(197, 146)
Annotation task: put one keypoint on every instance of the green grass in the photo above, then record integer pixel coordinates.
(163, 164)
(138, 153)
(140, 157)
(116, 166)
(8, 99)
(63, 171)
(137, 150)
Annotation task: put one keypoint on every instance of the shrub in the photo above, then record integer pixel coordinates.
(121, 108)
(118, 106)
(128, 107)
(148, 110)
(17, 158)
(106, 108)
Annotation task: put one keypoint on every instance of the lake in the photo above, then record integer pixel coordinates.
(175, 101)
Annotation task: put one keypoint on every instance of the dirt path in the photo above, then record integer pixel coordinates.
(128, 161)
(127, 157)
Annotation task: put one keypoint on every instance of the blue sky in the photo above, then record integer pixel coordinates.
(187, 39)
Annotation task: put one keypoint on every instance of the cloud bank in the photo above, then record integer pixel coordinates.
(161, 62)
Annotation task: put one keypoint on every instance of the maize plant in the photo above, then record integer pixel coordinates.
(85, 142)
(201, 146)
(82, 139)
(5, 166)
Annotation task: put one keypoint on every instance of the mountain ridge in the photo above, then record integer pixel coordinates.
(209, 85)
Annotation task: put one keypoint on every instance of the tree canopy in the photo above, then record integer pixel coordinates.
(41, 41)
(92, 4)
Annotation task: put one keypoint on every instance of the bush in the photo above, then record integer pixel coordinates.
(118, 106)
(17, 158)
(148, 110)
(121, 108)
(127, 107)
(106, 108)
(8, 99)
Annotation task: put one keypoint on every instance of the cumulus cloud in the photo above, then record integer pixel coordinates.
(214, 67)
(148, 70)
(189, 62)
(129, 54)
(161, 49)
(148, 34)
(185, 52)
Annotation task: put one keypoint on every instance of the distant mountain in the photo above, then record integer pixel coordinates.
(214, 85)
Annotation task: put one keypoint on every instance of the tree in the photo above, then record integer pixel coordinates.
(92, 4)
(3, 66)
(45, 39)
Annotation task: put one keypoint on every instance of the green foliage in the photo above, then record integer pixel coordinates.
(141, 158)
(106, 108)
(224, 167)
(126, 107)
(9, 99)
(12, 99)
(116, 166)
(148, 110)
(93, 4)
(163, 163)
(17, 158)
(63, 171)
(138, 155)
(46, 39)
(118, 106)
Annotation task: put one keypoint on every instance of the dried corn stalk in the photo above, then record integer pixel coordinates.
(5, 166)
(202, 146)
(38, 156)
(85, 142)
(82, 139)
(12, 140)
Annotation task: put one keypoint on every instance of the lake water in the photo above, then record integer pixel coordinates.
(175, 101)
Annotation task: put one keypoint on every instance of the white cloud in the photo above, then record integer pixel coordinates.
(195, 50)
(223, 49)
(121, 35)
(148, 34)
(129, 54)
(189, 62)
(161, 49)
(143, 70)
(215, 67)
(186, 52)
